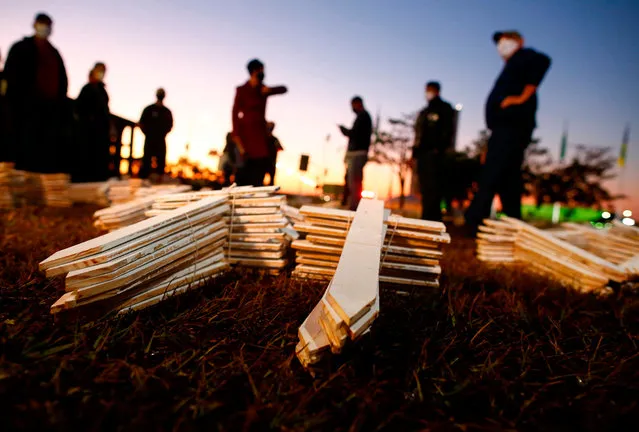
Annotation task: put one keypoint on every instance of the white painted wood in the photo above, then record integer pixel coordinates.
(140, 229)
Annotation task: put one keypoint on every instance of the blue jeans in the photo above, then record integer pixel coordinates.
(355, 175)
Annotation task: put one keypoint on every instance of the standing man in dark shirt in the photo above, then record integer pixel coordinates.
(249, 125)
(510, 115)
(94, 117)
(274, 147)
(156, 122)
(359, 141)
(433, 137)
(36, 89)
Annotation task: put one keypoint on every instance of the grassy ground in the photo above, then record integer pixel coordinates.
(491, 349)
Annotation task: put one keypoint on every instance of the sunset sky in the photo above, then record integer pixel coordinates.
(327, 51)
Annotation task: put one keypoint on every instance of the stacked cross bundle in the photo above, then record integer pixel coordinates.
(6, 196)
(142, 264)
(41, 189)
(123, 191)
(254, 220)
(89, 193)
(544, 253)
(610, 245)
(496, 242)
(411, 251)
(351, 302)
(127, 213)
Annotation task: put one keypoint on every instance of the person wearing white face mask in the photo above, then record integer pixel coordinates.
(434, 129)
(510, 116)
(91, 156)
(36, 91)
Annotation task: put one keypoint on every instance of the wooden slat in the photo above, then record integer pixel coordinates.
(119, 237)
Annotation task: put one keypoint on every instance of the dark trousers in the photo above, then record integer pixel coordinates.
(346, 191)
(430, 172)
(501, 174)
(153, 148)
(355, 177)
(252, 172)
(40, 137)
(271, 170)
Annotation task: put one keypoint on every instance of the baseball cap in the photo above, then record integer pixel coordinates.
(507, 33)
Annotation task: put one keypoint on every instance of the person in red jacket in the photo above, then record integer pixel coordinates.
(250, 132)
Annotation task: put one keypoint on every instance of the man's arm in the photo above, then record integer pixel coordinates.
(170, 122)
(143, 119)
(535, 66)
(419, 122)
(10, 69)
(237, 109)
(449, 126)
(64, 80)
(272, 91)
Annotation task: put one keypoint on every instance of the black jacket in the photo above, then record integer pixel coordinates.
(525, 67)
(434, 128)
(21, 71)
(92, 106)
(359, 136)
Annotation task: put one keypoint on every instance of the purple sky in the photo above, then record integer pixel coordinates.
(327, 51)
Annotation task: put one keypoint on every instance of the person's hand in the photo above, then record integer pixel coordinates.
(510, 100)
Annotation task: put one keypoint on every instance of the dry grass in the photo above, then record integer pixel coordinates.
(492, 349)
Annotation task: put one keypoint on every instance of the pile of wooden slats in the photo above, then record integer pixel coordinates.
(351, 302)
(292, 216)
(143, 263)
(124, 214)
(631, 267)
(89, 193)
(41, 189)
(255, 223)
(511, 240)
(123, 191)
(411, 251)
(6, 195)
(609, 244)
(121, 215)
(496, 242)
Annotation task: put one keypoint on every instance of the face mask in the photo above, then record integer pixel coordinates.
(42, 30)
(260, 76)
(430, 96)
(507, 47)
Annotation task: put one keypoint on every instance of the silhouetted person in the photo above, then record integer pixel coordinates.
(156, 122)
(94, 118)
(433, 135)
(249, 125)
(359, 141)
(6, 151)
(274, 147)
(510, 115)
(36, 85)
(229, 159)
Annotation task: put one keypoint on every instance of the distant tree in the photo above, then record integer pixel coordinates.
(580, 182)
(392, 147)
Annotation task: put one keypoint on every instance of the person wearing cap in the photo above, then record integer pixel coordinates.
(434, 129)
(274, 147)
(94, 121)
(250, 132)
(359, 142)
(36, 91)
(510, 116)
(156, 122)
